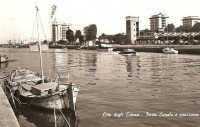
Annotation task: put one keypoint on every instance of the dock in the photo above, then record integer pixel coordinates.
(7, 116)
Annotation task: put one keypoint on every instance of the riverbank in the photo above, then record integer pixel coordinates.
(182, 49)
(7, 116)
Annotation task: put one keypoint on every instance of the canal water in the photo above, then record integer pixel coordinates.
(147, 90)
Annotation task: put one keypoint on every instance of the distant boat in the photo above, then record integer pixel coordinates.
(170, 51)
(3, 58)
(110, 49)
(128, 51)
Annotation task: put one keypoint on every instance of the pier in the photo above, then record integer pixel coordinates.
(7, 116)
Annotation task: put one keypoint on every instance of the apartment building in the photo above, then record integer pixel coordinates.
(59, 31)
(158, 22)
(189, 21)
(132, 29)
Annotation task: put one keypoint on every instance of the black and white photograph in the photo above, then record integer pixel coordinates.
(100, 63)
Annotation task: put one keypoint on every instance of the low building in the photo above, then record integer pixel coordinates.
(148, 38)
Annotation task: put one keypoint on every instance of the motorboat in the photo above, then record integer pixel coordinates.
(110, 49)
(170, 51)
(128, 51)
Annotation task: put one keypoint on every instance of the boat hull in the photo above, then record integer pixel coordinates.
(170, 52)
(26, 86)
(49, 102)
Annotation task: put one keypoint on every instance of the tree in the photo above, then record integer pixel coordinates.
(90, 32)
(170, 28)
(70, 36)
(179, 29)
(196, 27)
(77, 34)
(119, 38)
(142, 32)
(183, 29)
(81, 39)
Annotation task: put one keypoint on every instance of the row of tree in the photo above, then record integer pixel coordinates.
(171, 28)
(90, 33)
(119, 38)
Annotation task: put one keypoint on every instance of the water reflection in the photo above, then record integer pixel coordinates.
(128, 61)
(152, 82)
(3, 65)
(46, 118)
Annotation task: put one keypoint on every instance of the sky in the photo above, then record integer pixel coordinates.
(18, 16)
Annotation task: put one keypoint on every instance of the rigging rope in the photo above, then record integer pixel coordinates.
(42, 27)
(65, 118)
(55, 112)
(4, 77)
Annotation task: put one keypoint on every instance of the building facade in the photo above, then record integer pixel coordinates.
(59, 31)
(189, 21)
(132, 29)
(158, 22)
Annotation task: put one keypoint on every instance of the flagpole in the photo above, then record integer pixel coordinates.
(40, 49)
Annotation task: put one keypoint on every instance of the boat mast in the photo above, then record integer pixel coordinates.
(40, 50)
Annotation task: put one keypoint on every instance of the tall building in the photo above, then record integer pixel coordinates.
(59, 31)
(189, 21)
(158, 22)
(132, 29)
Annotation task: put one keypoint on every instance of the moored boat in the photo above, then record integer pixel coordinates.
(110, 49)
(28, 86)
(128, 51)
(3, 58)
(169, 51)
(39, 91)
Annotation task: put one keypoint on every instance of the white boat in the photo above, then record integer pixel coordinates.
(128, 51)
(110, 49)
(3, 58)
(169, 51)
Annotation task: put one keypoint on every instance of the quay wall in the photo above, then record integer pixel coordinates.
(7, 116)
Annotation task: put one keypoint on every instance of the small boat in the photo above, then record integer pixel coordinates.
(170, 51)
(3, 58)
(110, 49)
(128, 51)
(29, 88)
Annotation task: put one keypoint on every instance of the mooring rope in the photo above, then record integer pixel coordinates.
(4, 77)
(55, 112)
(65, 118)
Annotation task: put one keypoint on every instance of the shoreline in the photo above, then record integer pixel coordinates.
(182, 49)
